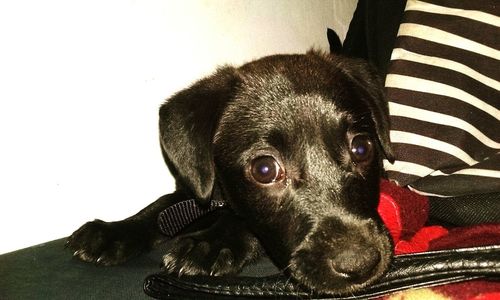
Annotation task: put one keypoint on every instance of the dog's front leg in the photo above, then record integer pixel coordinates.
(221, 249)
(111, 243)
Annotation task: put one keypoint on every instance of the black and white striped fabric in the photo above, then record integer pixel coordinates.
(443, 86)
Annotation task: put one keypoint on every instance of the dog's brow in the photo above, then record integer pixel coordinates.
(216, 137)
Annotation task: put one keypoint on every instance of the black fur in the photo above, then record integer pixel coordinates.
(317, 219)
(334, 41)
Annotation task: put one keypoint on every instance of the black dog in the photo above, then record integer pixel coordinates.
(294, 145)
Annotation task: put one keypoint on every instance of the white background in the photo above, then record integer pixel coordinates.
(81, 83)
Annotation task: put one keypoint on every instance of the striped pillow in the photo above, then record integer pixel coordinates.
(443, 90)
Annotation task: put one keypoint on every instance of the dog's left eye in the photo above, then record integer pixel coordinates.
(265, 170)
(361, 148)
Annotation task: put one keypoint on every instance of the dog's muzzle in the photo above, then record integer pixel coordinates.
(340, 258)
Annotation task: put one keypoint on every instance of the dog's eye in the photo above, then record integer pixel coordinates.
(265, 170)
(361, 148)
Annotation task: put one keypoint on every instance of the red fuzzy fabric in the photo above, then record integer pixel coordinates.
(478, 235)
(405, 214)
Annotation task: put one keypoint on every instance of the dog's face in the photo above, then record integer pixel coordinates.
(295, 144)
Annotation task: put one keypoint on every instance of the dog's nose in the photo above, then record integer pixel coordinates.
(356, 262)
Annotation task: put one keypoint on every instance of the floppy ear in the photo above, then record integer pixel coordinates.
(188, 121)
(370, 86)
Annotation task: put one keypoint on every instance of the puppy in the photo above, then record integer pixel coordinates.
(294, 145)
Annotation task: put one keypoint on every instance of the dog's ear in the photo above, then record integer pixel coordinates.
(188, 121)
(370, 87)
(334, 41)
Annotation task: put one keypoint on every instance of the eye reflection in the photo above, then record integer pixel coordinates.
(361, 148)
(266, 170)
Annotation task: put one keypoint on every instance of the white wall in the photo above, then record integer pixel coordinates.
(80, 85)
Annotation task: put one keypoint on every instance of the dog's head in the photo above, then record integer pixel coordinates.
(295, 144)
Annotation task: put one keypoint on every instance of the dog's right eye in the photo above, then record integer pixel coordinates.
(266, 170)
(361, 148)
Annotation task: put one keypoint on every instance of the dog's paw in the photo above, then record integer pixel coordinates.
(105, 243)
(190, 256)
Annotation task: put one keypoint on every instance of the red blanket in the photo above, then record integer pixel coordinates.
(405, 214)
